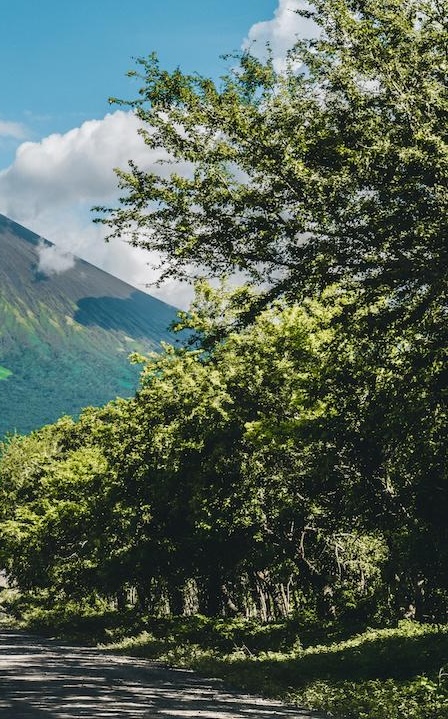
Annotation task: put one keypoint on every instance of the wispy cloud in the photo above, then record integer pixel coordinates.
(53, 260)
(16, 130)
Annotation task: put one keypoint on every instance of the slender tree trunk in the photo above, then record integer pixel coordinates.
(176, 598)
(120, 598)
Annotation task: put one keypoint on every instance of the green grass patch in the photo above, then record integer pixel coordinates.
(4, 372)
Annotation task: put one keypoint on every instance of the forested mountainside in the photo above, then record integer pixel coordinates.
(65, 337)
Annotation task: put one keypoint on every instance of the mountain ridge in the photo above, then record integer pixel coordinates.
(65, 337)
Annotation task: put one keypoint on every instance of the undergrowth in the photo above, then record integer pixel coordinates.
(379, 674)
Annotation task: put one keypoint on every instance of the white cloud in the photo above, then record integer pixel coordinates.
(12, 129)
(52, 184)
(281, 32)
(73, 167)
(53, 260)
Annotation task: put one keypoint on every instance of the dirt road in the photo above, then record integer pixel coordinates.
(40, 679)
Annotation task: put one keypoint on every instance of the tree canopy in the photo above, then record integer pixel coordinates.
(333, 170)
(278, 471)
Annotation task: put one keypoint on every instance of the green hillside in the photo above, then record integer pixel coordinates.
(65, 338)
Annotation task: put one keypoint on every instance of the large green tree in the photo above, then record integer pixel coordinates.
(335, 169)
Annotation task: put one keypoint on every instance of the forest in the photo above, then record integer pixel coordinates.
(286, 466)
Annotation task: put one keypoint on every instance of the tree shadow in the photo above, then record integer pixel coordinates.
(138, 316)
(39, 678)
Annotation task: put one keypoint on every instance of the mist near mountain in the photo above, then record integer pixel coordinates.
(66, 331)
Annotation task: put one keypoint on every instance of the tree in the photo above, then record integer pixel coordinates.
(333, 171)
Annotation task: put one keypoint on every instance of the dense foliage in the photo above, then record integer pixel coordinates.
(261, 477)
(377, 674)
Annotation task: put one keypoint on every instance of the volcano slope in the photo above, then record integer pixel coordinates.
(65, 336)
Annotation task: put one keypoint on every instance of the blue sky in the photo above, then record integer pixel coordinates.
(60, 61)
(60, 139)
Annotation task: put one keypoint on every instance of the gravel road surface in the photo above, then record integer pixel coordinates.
(41, 679)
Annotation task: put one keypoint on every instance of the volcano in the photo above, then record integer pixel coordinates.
(66, 332)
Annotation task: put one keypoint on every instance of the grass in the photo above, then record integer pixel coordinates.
(390, 673)
(4, 373)
(378, 674)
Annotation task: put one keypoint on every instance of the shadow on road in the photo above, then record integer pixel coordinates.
(40, 679)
